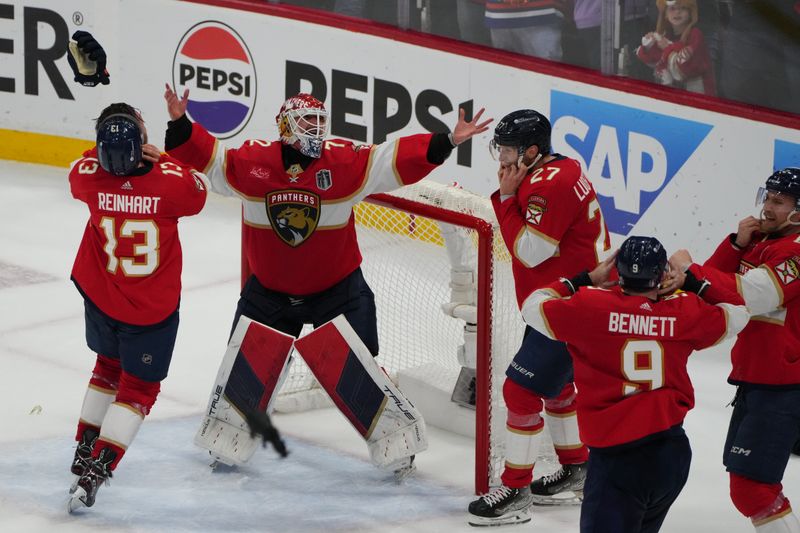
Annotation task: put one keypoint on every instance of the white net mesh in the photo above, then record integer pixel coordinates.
(407, 265)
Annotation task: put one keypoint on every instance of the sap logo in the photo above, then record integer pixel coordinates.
(740, 451)
(214, 62)
(786, 154)
(629, 154)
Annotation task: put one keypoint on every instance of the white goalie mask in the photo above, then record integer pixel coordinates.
(303, 124)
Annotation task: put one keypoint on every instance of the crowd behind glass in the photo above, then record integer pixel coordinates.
(742, 50)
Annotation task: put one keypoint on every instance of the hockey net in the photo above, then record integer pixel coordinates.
(427, 247)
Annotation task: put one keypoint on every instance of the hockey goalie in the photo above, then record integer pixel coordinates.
(300, 242)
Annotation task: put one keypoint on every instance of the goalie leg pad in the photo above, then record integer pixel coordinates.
(248, 376)
(346, 370)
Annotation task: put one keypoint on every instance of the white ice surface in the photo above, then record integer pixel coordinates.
(163, 484)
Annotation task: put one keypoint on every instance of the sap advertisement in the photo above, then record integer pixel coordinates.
(683, 174)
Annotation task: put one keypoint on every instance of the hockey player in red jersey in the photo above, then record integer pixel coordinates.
(551, 222)
(299, 236)
(762, 261)
(128, 270)
(630, 354)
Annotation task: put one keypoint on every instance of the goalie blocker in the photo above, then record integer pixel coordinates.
(251, 371)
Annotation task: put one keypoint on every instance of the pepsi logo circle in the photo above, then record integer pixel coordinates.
(214, 63)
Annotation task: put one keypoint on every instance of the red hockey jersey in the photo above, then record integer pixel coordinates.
(299, 228)
(766, 274)
(129, 261)
(630, 354)
(553, 226)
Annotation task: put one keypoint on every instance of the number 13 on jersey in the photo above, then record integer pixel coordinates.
(146, 256)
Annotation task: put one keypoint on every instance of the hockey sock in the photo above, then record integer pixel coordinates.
(523, 437)
(562, 422)
(99, 394)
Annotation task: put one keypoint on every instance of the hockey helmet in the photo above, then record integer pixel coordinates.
(641, 262)
(119, 144)
(303, 124)
(785, 181)
(522, 129)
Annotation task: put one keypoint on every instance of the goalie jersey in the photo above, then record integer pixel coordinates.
(630, 354)
(766, 274)
(129, 261)
(298, 225)
(553, 226)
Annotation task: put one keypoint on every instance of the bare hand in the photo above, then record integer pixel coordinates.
(661, 41)
(681, 260)
(466, 130)
(747, 227)
(672, 281)
(679, 263)
(510, 177)
(151, 153)
(602, 272)
(176, 107)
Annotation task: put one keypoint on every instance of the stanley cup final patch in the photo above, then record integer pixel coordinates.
(324, 179)
(293, 214)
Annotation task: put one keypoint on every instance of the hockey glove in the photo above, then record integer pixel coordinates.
(261, 425)
(87, 59)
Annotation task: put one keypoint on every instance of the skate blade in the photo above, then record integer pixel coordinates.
(522, 516)
(76, 501)
(562, 498)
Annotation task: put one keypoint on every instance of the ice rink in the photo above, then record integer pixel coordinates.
(164, 484)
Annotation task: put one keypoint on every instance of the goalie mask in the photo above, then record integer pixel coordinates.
(119, 144)
(517, 132)
(641, 262)
(303, 124)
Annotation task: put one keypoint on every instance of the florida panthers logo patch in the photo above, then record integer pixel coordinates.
(294, 215)
(788, 271)
(536, 209)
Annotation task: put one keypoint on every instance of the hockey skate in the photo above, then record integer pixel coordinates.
(96, 473)
(562, 487)
(83, 454)
(503, 505)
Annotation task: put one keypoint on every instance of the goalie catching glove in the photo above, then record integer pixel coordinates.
(87, 59)
(260, 425)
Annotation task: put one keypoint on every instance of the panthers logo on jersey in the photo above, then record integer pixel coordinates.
(293, 214)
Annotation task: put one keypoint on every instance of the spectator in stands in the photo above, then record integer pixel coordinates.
(528, 27)
(676, 50)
